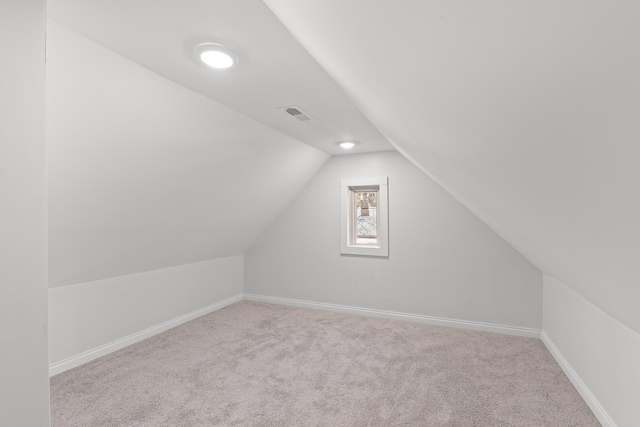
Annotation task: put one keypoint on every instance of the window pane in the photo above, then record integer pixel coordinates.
(366, 209)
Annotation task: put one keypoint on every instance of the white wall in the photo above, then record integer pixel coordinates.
(442, 262)
(24, 385)
(87, 316)
(601, 355)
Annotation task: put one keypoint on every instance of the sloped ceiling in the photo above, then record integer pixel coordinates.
(156, 160)
(527, 112)
(273, 71)
(145, 174)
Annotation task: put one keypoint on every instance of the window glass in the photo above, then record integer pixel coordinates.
(366, 214)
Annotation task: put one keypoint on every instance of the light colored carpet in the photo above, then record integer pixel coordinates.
(256, 364)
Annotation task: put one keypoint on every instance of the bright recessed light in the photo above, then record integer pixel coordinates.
(347, 145)
(216, 59)
(216, 56)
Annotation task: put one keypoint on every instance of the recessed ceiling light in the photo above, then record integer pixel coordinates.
(216, 55)
(216, 59)
(347, 145)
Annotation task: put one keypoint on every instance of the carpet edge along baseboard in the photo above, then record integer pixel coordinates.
(103, 350)
(419, 318)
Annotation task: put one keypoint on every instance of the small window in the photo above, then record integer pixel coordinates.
(364, 216)
(365, 204)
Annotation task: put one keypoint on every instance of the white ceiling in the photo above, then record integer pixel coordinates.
(274, 71)
(527, 112)
(145, 174)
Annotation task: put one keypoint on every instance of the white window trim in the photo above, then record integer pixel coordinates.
(382, 212)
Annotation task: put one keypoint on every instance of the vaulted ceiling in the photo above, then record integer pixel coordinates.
(527, 112)
(273, 71)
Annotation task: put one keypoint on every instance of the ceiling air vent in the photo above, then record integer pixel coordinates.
(297, 112)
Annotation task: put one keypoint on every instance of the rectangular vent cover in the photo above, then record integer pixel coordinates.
(297, 112)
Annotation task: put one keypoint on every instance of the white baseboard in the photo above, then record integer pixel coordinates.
(87, 356)
(577, 382)
(419, 318)
(103, 350)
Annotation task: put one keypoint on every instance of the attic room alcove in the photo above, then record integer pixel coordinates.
(443, 262)
(508, 131)
(148, 207)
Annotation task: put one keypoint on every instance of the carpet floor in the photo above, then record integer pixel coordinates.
(256, 364)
